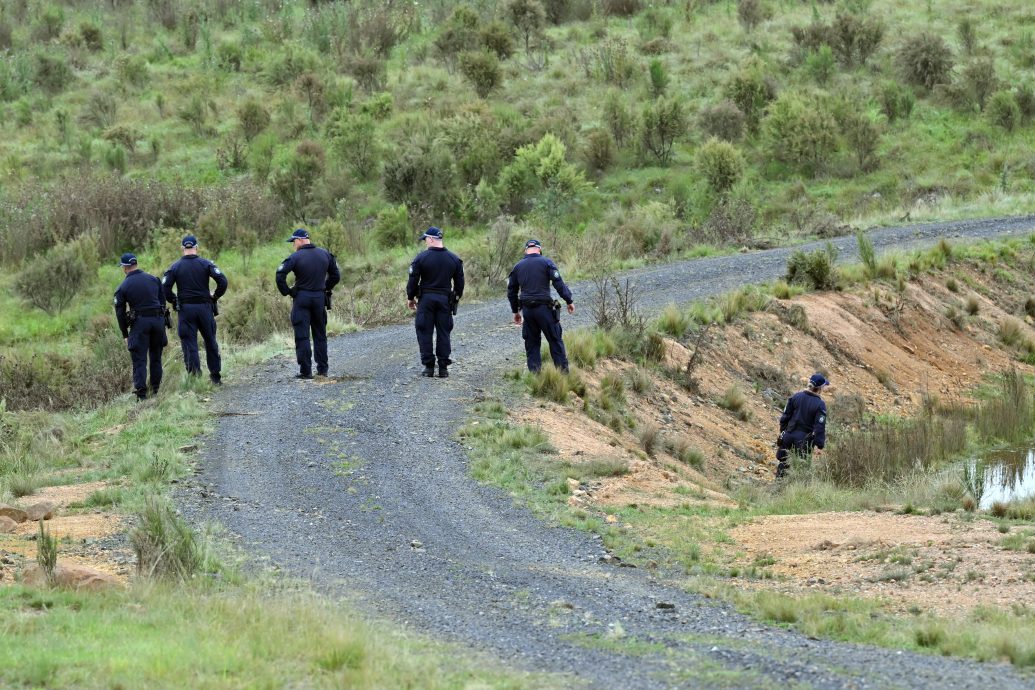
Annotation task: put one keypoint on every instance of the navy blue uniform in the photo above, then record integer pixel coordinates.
(528, 289)
(141, 293)
(194, 303)
(434, 274)
(316, 273)
(802, 427)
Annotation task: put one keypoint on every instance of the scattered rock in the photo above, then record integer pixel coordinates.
(71, 576)
(826, 545)
(40, 511)
(16, 514)
(416, 545)
(664, 605)
(7, 525)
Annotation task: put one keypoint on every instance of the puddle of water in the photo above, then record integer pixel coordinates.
(1009, 475)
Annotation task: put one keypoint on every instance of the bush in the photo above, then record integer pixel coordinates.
(620, 8)
(980, 80)
(254, 312)
(1004, 111)
(252, 118)
(966, 31)
(658, 78)
(1025, 96)
(528, 17)
(618, 118)
(599, 150)
(801, 130)
(482, 69)
(230, 55)
(420, 173)
(732, 220)
(369, 72)
(724, 120)
(751, 89)
(496, 38)
(813, 269)
(855, 38)
(721, 164)
(393, 227)
(661, 124)
(750, 13)
(165, 546)
(131, 70)
(73, 261)
(863, 137)
(925, 60)
(92, 37)
(51, 72)
(896, 101)
(353, 138)
(820, 64)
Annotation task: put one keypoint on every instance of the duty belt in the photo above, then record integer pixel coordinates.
(535, 303)
(150, 312)
(196, 300)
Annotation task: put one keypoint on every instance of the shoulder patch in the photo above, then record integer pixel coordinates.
(164, 278)
(556, 274)
(280, 268)
(216, 270)
(411, 269)
(822, 419)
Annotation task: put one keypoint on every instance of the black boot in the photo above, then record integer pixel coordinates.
(443, 371)
(141, 394)
(216, 379)
(429, 371)
(304, 376)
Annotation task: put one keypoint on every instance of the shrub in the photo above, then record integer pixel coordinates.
(194, 114)
(658, 78)
(925, 60)
(618, 118)
(497, 39)
(855, 38)
(528, 17)
(393, 227)
(620, 8)
(820, 64)
(661, 124)
(867, 254)
(369, 72)
(966, 31)
(599, 150)
(92, 37)
(353, 137)
(73, 261)
(46, 551)
(253, 312)
(1025, 96)
(674, 321)
(458, 34)
(980, 80)
(420, 173)
(862, 136)
(813, 269)
(972, 305)
(896, 101)
(230, 56)
(252, 118)
(735, 401)
(724, 120)
(732, 220)
(51, 21)
(1011, 331)
(801, 130)
(648, 436)
(51, 72)
(1004, 111)
(293, 181)
(721, 164)
(132, 70)
(751, 89)
(165, 546)
(482, 69)
(750, 13)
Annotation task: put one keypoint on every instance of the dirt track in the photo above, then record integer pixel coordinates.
(403, 528)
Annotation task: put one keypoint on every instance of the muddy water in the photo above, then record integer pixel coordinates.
(1009, 475)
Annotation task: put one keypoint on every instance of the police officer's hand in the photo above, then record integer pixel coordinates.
(411, 303)
(571, 308)
(517, 318)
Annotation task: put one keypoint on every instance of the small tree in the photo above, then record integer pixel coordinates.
(619, 120)
(252, 118)
(801, 130)
(482, 69)
(661, 124)
(723, 120)
(1003, 110)
(750, 13)
(863, 137)
(925, 60)
(312, 87)
(751, 89)
(73, 261)
(528, 17)
(658, 78)
(721, 164)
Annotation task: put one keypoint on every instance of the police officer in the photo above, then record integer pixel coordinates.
(196, 306)
(528, 290)
(802, 424)
(437, 277)
(143, 326)
(316, 274)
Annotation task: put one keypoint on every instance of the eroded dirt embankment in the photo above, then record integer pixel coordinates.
(886, 347)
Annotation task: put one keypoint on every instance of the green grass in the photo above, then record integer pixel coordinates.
(254, 636)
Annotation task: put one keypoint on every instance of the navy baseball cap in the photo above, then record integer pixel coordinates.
(533, 243)
(128, 259)
(433, 233)
(300, 234)
(817, 380)
(190, 241)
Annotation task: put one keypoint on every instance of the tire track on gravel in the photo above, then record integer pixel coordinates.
(414, 539)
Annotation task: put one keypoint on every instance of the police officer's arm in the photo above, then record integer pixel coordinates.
(512, 296)
(120, 312)
(788, 412)
(333, 274)
(458, 278)
(819, 426)
(282, 271)
(221, 282)
(168, 280)
(413, 281)
(561, 288)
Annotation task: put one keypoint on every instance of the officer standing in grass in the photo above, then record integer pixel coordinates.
(316, 274)
(802, 424)
(140, 312)
(196, 306)
(528, 290)
(437, 279)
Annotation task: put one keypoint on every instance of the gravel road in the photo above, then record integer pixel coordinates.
(415, 540)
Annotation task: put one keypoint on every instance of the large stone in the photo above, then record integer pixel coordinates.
(16, 514)
(40, 511)
(71, 576)
(7, 525)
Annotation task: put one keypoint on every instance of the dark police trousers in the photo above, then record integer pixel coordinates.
(434, 316)
(146, 340)
(308, 313)
(195, 318)
(539, 320)
(799, 443)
